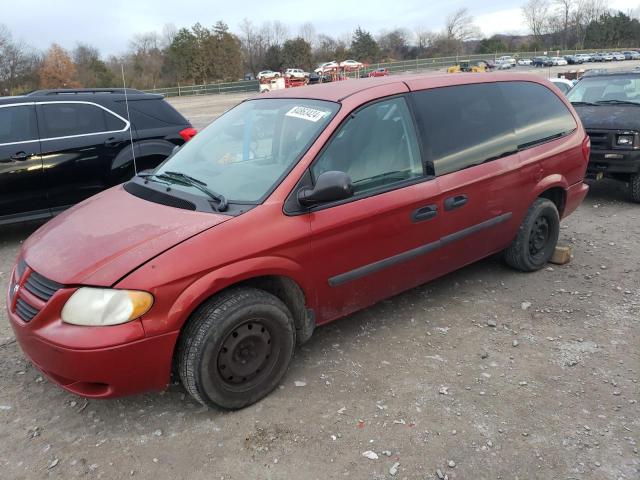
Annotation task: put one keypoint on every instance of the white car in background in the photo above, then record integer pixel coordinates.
(507, 59)
(563, 84)
(295, 73)
(503, 65)
(266, 74)
(585, 57)
(559, 61)
(325, 67)
(618, 57)
(525, 61)
(351, 64)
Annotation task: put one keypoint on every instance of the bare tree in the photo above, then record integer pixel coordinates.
(459, 26)
(18, 64)
(308, 32)
(565, 8)
(587, 11)
(423, 38)
(147, 57)
(536, 14)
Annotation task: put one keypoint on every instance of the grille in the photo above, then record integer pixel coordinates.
(41, 287)
(25, 311)
(158, 197)
(22, 265)
(599, 139)
(37, 285)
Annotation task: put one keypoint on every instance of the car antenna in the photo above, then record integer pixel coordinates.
(126, 102)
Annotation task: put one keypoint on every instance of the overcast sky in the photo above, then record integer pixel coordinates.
(109, 25)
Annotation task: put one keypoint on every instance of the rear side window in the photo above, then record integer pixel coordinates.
(18, 124)
(154, 113)
(69, 119)
(539, 114)
(464, 125)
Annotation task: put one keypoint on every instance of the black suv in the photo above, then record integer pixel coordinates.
(58, 147)
(608, 103)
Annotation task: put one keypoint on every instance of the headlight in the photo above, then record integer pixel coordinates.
(625, 140)
(105, 306)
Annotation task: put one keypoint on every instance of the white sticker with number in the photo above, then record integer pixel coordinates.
(307, 113)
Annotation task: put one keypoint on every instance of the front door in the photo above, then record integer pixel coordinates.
(79, 143)
(23, 191)
(378, 242)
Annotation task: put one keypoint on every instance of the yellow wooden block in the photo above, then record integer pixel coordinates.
(561, 256)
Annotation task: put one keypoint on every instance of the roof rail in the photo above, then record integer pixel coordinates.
(76, 91)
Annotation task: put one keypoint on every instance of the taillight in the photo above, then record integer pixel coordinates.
(188, 133)
(586, 147)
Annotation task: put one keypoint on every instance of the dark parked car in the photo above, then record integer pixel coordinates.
(318, 202)
(487, 64)
(608, 103)
(58, 147)
(542, 62)
(317, 78)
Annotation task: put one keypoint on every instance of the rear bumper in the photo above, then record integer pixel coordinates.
(613, 161)
(94, 362)
(575, 195)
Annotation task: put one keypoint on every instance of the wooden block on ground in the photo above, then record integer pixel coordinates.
(561, 256)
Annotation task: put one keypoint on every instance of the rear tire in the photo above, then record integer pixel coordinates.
(537, 237)
(634, 187)
(236, 348)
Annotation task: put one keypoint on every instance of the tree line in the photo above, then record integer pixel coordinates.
(200, 54)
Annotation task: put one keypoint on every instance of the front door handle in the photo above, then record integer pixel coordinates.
(458, 201)
(424, 213)
(21, 156)
(112, 142)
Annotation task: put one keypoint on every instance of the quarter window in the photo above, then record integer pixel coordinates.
(67, 119)
(539, 114)
(464, 125)
(376, 147)
(18, 124)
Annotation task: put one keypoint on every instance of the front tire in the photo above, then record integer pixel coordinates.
(634, 187)
(236, 348)
(537, 237)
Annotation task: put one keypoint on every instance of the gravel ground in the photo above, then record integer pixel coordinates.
(483, 374)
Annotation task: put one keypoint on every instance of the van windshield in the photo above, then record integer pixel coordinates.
(246, 152)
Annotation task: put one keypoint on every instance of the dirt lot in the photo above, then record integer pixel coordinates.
(483, 374)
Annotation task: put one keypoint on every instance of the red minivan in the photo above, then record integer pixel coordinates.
(291, 210)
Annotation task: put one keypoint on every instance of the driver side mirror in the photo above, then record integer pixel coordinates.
(330, 187)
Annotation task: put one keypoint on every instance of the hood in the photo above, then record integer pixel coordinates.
(609, 117)
(102, 239)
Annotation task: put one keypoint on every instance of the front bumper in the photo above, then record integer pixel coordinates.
(94, 362)
(613, 162)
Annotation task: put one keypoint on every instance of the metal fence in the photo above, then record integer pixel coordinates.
(208, 89)
(405, 66)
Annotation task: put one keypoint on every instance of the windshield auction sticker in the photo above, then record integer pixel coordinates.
(307, 113)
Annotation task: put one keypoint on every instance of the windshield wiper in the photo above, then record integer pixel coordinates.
(617, 102)
(584, 103)
(184, 179)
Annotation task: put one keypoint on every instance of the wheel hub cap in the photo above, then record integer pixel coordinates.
(244, 353)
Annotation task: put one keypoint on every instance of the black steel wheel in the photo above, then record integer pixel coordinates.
(536, 239)
(236, 348)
